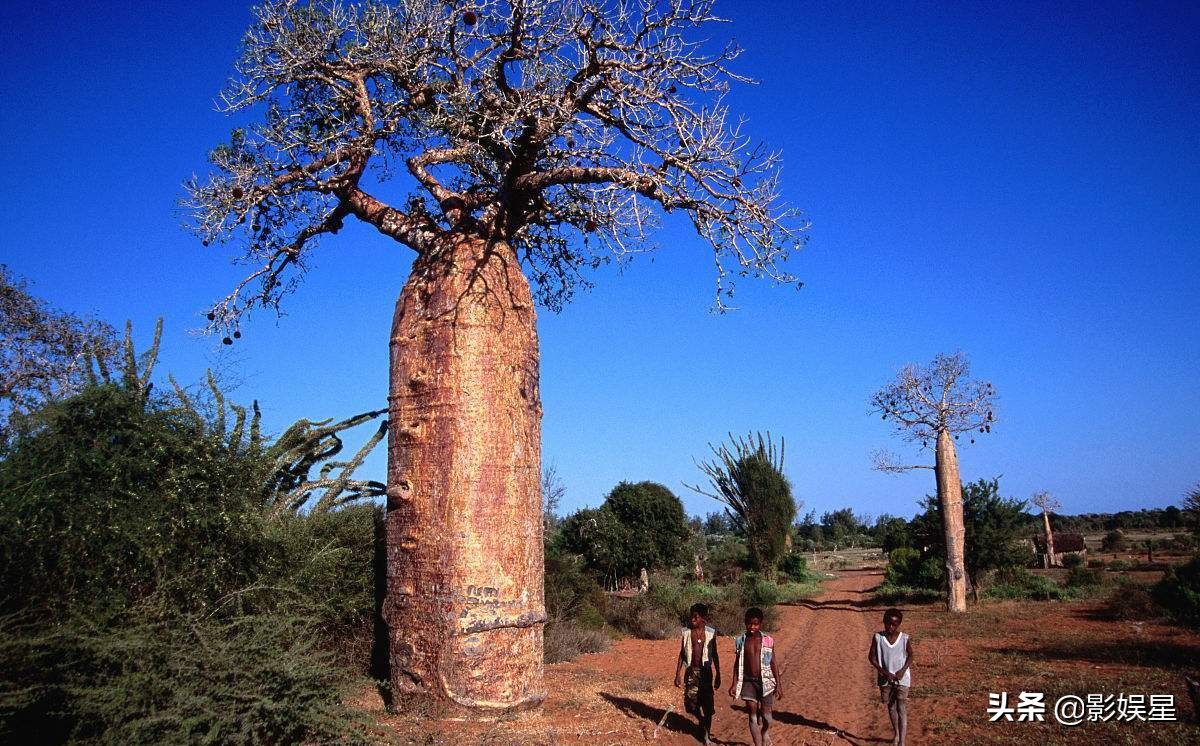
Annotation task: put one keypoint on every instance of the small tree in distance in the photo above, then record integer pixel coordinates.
(1044, 501)
(747, 475)
(933, 405)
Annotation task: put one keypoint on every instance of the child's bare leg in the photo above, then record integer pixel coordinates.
(765, 719)
(755, 731)
(901, 719)
(889, 701)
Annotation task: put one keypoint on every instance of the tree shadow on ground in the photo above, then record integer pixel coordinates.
(1153, 653)
(637, 709)
(861, 606)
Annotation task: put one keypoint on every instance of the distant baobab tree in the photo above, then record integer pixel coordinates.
(1048, 504)
(933, 405)
(533, 140)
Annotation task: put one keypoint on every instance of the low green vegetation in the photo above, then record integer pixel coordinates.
(151, 593)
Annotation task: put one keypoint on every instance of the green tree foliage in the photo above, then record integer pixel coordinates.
(658, 527)
(717, 523)
(994, 525)
(747, 475)
(994, 528)
(1114, 541)
(639, 525)
(892, 533)
(597, 535)
(843, 527)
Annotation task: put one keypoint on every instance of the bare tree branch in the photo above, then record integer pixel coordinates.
(561, 127)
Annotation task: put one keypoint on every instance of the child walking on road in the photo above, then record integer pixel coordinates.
(891, 655)
(755, 678)
(700, 667)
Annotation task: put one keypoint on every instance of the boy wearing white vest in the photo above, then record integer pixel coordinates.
(755, 678)
(698, 659)
(891, 655)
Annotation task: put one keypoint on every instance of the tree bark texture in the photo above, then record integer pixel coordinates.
(465, 594)
(949, 489)
(1051, 560)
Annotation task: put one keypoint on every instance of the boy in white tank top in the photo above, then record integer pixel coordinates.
(891, 656)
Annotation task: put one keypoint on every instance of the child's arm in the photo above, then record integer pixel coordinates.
(716, 665)
(778, 679)
(679, 665)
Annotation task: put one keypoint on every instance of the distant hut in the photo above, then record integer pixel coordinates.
(1064, 544)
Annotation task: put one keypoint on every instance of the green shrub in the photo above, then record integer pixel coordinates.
(758, 591)
(1114, 541)
(142, 678)
(794, 567)
(888, 593)
(1129, 601)
(636, 616)
(1072, 560)
(571, 593)
(1119, 565)
(111, 499)
(1017, 582)
(1096, 563)
(157, 599)
(1182, 543)
(726, 560)
(907, 568)
(1178, 593)
(1082, 577)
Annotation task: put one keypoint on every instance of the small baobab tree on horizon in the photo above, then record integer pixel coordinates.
(530, 140)
(934, 405)
(1046, 502)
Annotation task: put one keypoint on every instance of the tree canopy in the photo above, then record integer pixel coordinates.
(560, 128)
(639, 525)
(925, 400)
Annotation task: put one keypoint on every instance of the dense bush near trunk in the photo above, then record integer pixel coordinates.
(111, 499)
(1179, 593)
(151, 598)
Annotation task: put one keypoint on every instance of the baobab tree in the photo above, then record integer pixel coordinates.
(1047, 503)
(534, 140)
(935, 405)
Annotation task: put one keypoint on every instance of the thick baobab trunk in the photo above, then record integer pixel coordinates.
(949, 489)
(464, 602)
(1050, 560)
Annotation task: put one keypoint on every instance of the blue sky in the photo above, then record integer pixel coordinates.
(1020, 182)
